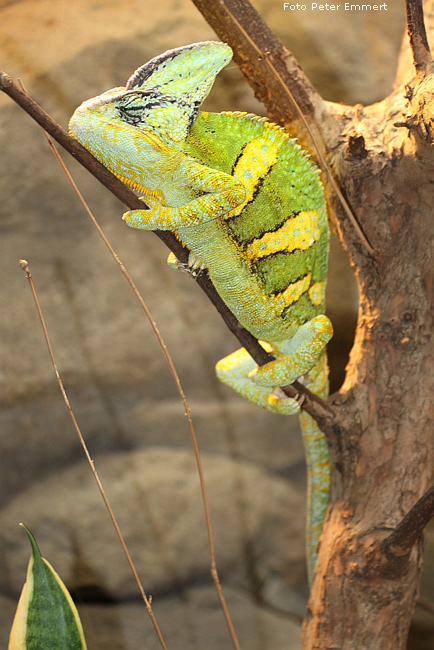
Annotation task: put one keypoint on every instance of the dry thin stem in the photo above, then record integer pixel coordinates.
(25, 266)
(317, 408)
(422, 58)
(176, 379)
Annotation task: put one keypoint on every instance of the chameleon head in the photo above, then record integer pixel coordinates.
(138, 130)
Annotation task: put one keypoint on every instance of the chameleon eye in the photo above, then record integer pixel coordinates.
(132, 114)
(135, 107)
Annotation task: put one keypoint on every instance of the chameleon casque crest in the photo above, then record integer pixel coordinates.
(249, 205)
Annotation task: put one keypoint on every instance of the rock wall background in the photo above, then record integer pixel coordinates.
(117, 381)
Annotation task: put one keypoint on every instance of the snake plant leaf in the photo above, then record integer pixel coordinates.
(46, 617)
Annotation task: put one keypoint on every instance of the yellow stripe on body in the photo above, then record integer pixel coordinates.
(258, 157)
(298, 233)
(293, 291)
(317, 293)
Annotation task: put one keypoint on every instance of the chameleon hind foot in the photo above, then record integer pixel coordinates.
(234, 371)
(296, 358)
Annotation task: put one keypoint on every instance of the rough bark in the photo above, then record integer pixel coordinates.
(380, 423)
(384, 462)
(382, 156)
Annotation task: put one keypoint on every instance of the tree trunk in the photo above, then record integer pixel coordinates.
(362, 596)
(381, 435)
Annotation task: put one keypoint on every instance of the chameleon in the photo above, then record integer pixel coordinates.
(248, 203)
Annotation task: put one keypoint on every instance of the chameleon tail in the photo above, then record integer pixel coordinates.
(318, 481)
(318, 465)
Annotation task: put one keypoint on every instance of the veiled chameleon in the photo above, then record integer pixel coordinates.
(249, 205)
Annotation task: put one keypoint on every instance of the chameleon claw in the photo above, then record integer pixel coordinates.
(195, 265)
(279, 393)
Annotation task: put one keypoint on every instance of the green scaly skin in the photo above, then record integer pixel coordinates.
(249, 204)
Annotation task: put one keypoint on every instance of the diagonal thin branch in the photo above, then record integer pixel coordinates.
(320, 410)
